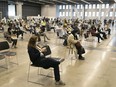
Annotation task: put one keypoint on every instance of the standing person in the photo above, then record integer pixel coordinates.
(38, 59)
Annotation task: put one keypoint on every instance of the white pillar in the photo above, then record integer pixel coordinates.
(83, 11)
(100, 7)
(19, 9)
(71, 11)
(114, 8)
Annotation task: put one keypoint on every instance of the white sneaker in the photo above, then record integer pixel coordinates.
(60, 83)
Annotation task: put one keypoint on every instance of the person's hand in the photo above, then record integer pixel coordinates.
(43, 50)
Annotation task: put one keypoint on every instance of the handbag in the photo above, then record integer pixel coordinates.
(82, 50)
(48, 50)
(78, 44)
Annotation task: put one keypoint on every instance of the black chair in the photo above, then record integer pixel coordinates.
(5, 51)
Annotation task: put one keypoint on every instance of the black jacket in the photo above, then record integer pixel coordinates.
(35, 55)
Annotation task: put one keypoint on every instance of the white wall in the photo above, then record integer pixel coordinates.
(48, 10)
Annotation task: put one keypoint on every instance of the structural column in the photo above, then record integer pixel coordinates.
(19, 9)
(100, 8)
(114, 8)
(83, 12)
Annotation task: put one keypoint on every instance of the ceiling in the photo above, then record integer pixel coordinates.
(45, 2)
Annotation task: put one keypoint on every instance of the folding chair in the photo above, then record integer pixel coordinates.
(40, 71)
(5, 51)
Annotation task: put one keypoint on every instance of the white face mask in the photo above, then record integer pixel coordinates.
(37, 42)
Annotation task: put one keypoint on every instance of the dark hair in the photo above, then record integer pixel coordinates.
(32, 41)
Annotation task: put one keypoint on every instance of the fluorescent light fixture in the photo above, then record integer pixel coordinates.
(72, 1)
(46, 1)
(36, 2)
(85, 1)
(59, 1)
(101, 1)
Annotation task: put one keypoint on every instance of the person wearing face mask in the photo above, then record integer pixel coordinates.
(73, 42)
(38, 59)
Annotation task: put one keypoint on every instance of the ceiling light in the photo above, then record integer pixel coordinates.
(85, 1)
(100, 1)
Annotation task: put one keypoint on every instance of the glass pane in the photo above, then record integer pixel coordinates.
(93, 13)
(63, 14)
(89, 13)
(90, 6)
(111, 14)
(103, 6)
(63, 6)
(85, 13)
(94, 6)
(11, 10)
(74, 14)
(81, 6)
(66, 6)
(102, 14)
(60, 6)
(78, 6)
(107, 5)
(66, 13)
(86, 6)
(97, 14)
(98, 6)
(60, 13)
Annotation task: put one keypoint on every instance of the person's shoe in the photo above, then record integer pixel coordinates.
(81, 58)
(60, 83)
(45, 41)
(15, 47)
(48, 39)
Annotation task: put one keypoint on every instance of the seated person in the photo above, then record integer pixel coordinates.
(107, 28)
(101, 32)
(94, 33)
(38, 59)
(11, 37)
(42, 33)
(73, 42)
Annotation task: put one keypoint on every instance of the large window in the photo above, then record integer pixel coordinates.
(69, 13)
(60, 14)
(78, 6)
(90, 6)
(11, 10)
(66, 6)
(89, 14)
(63, 6)
(102, 14)
(86, 6)
(97, 14)
(60, 6)
(107, 5)
(85, 14)
(69, 6)
(94, 14)
(98, 6)
(111, 14)
(103, 6)
(63, 14)
(66, 13)
(81, 7)
(94, 6)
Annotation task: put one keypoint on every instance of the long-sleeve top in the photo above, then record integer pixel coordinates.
(35, 55)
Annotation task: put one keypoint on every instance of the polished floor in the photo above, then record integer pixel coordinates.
(97, 70)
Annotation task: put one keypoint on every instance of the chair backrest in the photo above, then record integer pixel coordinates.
(4, 45)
